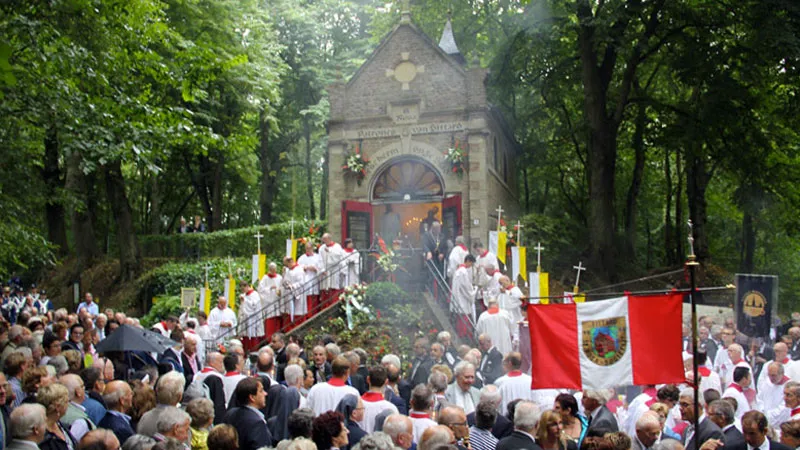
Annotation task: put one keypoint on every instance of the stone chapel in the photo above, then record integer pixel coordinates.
(409, 103)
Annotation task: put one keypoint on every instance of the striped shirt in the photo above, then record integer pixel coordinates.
(480, 439)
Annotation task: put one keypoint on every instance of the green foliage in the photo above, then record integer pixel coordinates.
(384, 295)
(239, 242)
(163, 307)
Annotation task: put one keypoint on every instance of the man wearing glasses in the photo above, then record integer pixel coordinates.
(455, 418)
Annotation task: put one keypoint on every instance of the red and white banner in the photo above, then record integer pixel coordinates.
(630, 340)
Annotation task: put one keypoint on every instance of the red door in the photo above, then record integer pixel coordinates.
(357, 223)
(451, 216)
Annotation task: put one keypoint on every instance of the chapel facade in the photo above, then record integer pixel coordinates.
(409, 103)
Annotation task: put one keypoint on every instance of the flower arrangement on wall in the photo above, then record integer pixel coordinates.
(458, 158)
(356, 165)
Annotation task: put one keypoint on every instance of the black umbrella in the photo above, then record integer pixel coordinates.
(127, 338)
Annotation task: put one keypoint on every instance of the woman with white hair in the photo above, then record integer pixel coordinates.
(55, 398)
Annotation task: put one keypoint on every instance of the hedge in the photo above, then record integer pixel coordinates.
(238, 242)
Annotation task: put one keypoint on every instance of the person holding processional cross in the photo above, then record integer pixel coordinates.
(268, 289)
(332, 255)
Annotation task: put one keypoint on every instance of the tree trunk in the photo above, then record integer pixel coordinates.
(527, 189)
(54, 209)
(266, 196)
(323, 196)
(130, 261)
(636, 182)
(83, 237)
(748, 243)
(669, 249)
(155, 205)
(309, 184)
(697, 179)
(216, 194)
(680, 225)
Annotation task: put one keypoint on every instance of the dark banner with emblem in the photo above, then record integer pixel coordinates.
(756, 302)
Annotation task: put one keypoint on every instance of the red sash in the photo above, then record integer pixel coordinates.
(272, 275)
(704, 371)
(372, 397)
(485, 252)
(208, 370)
(250, 291)
(336, 382)
(348, 250)
(736, 387)
(785, 361)
(230, 374)
(463, 247)
(795, 411)
(331, 243)
(784, 380)
(515, 373)
(462, 266)
(493, 310)
(416, 415)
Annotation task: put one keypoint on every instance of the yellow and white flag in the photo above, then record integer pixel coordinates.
(539, 283)
(291, 248)
(497, 244)
(205, 300)
(518, 263)
(259, 268)
(230, 292)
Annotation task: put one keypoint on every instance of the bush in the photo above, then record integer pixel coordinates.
(236, 243)
(162, 308)
(383, 295)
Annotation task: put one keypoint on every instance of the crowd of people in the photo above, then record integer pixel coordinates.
(58, 393)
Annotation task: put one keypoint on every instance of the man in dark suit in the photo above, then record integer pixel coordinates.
(601, 420)
(421, 367)
(502, 426)
(722, 414)
(754, 429)
(4, 410)
(526, 416)
(250, 423)
(278, 344)
(320, 366)
(706, 429)
(491, 367)
(189, 359)
(394, 382)
(119, 399)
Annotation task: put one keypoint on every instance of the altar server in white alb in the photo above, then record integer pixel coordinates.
(770, 393)
(514, 384)
(292, 289)
(484, 259)
(497, 324)
(268, 289)
(332, 255)
(311, 263)
(352, 263)
(323, 397)
(221, 319)
(510, 300)
(741, 381)
(250, 308)
(462, 302)
(456, 257)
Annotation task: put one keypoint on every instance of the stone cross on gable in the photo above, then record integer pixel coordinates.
(405, 71)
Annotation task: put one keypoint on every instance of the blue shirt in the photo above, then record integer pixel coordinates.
(90, 308)
(94, 409)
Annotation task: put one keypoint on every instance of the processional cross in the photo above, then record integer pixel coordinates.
(539, 249)
(258, 237)
(499, 215)
(579, 268)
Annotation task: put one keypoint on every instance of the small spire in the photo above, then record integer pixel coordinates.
(448, 42)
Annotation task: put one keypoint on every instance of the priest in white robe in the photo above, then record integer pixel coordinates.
(462, 302)
(268, 289)
(352, 264)
(292, 294)
(221, 319)
(510, 300)
(514, 384)
(742, 378)
(770, 393)
(250, 312)
(312, 267)
(497, 324)
(332, 255)
(456, 257)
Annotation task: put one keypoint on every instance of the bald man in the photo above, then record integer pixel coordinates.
(118, 395)
(454, 418)
(790, 368)
(436, 436)
(211, 376)
(98, 439)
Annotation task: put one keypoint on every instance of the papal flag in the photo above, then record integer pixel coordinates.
(519, 266)
(291, 248)
(230, 292)
(205, 300)
(632, 340)
(539, 287)
(259, 268)
(497, 244)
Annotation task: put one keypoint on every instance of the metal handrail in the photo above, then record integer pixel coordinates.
(283, 301)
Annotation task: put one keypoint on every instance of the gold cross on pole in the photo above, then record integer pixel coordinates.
(539, 249)
(258, 237)
(519, 233)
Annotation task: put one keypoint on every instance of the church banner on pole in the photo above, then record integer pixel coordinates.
(756, 303)
(259, 267)
(518, 263)
(539, 287)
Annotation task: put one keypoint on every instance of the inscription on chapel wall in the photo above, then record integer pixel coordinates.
(374, 133)
(425, 152)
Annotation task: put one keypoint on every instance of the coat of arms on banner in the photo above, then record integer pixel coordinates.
(604, 341)
(754, 304)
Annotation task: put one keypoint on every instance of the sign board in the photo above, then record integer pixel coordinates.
(188, 297)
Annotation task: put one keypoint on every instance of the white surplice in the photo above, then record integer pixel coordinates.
(497, 324)
(455, 259)
(332, 256)
(250, 308)
(292, 290)
(509, 300)
(217, 316)
(352, 267)
(463, 299)
(268, 291)
(514, 385)
(324, 397)
(312, 267)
